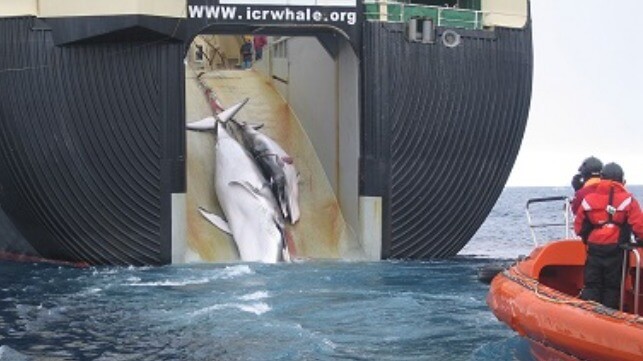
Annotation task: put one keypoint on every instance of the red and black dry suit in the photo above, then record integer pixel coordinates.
(588, 187)
(606, 218)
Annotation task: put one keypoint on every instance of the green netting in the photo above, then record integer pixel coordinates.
(372, 11)
(394, 12)
(411, 11)
(459, 19)
(471, 4)
(447, 17)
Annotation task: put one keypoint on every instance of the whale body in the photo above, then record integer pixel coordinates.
(251, 213)
(277, 166)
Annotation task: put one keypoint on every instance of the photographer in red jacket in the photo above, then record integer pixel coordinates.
(607, 217)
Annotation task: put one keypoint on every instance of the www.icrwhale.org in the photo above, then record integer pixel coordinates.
(285, 14)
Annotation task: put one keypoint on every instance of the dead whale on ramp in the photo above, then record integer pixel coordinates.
(277, 166)
(252, 216)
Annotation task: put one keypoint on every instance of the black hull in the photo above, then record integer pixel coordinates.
(444, 125)
(92, 141)
(89, 146)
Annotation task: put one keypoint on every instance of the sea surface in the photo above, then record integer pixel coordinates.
(317, 310)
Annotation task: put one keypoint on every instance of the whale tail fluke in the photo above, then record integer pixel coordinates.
(210, 123)
(227, 114)
(205, 124)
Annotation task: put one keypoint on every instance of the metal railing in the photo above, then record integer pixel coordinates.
(444, 16)
(566, 215)
(632, 247)
(397, 11)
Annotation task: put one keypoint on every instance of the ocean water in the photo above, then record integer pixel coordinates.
(317, 310)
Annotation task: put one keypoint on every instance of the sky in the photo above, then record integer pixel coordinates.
(587, 91)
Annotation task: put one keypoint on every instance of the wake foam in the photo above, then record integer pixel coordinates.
(259, 295)
(235, 271)
(257, 308)
(226, 273)
(171, 283)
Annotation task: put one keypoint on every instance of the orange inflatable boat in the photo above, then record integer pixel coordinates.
(538, 298)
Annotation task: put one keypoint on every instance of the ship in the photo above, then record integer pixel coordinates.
(404, 119)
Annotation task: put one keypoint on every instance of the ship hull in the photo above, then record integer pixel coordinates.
(89, 150)
(441, 131)
(93, 143)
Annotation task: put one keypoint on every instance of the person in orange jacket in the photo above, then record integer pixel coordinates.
(586, 180)
(606, 218)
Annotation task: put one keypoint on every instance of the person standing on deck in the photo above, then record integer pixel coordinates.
(586, 180)
(246, 53)
(259, 42)
(606, 218)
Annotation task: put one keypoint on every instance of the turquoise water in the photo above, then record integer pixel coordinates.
(309, 311)
(390, 310)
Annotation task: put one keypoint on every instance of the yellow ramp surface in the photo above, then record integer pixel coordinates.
(321, 231)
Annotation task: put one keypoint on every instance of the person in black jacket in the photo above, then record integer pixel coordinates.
(246, 53)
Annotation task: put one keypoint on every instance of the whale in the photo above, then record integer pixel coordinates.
(277, 166)
(251, 212)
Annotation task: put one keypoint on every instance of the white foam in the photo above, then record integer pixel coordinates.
(329, 343)
(234, 271)
(208, 309)
(171, 283)
(259, 295)
(108, 271)
(227, 273)
(257, 308)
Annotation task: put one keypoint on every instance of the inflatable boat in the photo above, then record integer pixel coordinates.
(538, 298)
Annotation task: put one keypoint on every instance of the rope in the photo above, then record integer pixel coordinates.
(550, 295)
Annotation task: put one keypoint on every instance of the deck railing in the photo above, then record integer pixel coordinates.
(567, 217)
(632, 248)
(391, 11)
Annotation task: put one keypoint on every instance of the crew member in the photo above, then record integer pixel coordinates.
(259, 42)
(605, 219)
(246, 53)
(586, 180)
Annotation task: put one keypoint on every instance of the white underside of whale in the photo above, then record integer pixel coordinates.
(250, 209)
(247, 202)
